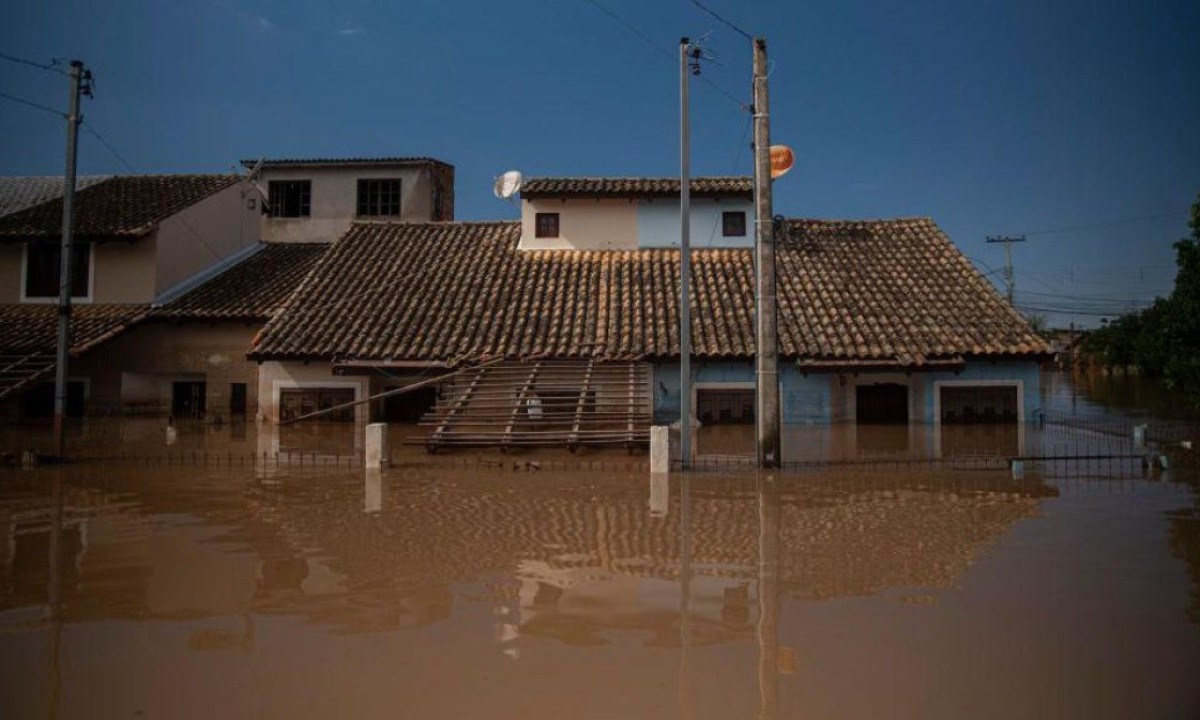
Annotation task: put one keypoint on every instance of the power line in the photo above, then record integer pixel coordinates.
(712, 12)
(662, 50)
(1106, 224)
(52, 67)
(129, 166)
(31, 104)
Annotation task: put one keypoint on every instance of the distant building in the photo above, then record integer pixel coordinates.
(881, 321)
(316, 199)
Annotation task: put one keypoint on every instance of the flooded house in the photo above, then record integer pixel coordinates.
(177, 275)
(138, 241)
(564, 325)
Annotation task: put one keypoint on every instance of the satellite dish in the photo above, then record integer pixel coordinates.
(782, 160)
(507, 185)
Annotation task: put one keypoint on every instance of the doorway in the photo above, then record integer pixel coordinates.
(881, 404)
(188, 398)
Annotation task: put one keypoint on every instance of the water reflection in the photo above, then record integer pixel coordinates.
(705, 574)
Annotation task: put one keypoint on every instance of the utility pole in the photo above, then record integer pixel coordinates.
(1008, 240)
(686, 53)
(81, 83)
(767, 360)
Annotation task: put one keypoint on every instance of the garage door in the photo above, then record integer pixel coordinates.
(979, 404)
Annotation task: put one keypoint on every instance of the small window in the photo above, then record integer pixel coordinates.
(546, 225)
(733, 223)
(290, 198)
(379, 198)
(237, 398)
(42, 265)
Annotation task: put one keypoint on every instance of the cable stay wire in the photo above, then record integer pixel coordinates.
(52, 67)
(32, 104)
(630, 27)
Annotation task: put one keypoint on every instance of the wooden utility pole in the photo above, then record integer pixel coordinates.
(685, 261)
(80, 83)
(767, 372)
(1009, 280)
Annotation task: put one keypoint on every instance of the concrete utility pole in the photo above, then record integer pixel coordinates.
(685, 261)
(767, 371)
(1009, 280)
(81, 80)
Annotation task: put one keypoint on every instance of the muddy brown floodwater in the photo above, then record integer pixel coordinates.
(243, 574)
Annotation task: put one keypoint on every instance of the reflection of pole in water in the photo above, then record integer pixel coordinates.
(685, 595)
(54, 593)
(373, 491)
(768, 597)
(660, 494)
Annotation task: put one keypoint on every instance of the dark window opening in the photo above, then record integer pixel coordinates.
(881, 403)
(39, 402)
(546, 225)
(725, 407)
(188, 398)
(377, 198)
(979, 405)
(42, 265)
(733, 223)
(290, 198)
(237, 398)
(410, 406)
(294, 402)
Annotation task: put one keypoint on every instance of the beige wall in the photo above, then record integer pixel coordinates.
(274, 376)
(334, 200)
(224, 222)
(583, 224)
(135, 372)
(138, 271)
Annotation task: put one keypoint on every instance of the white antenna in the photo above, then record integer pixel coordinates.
(252, 178)
(507, 185)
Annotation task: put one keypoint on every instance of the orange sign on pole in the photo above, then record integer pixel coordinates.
(782, 160)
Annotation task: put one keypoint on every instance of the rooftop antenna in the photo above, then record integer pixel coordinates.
(252, 178)
(507, 185)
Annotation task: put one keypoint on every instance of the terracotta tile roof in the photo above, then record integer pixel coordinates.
(251, 290)
(18, 193)
(888, 292)
(633, 187)
(119, 207)
(33, 327)
(29, 336)
(350, 162)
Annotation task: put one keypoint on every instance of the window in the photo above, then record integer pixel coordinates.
(42, 261)
(237, 398)
(379, 198)
(733, 223)
(546, 225)
(290, 198)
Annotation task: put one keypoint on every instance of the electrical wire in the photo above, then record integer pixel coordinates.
(31, 104)
(712, 12)
(129, 166)
(52, 67)
(663, 51)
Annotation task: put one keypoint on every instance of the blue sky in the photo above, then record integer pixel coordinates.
(1077, 123)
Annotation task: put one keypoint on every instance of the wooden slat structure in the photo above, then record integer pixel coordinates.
(544, 403)
(18, 371)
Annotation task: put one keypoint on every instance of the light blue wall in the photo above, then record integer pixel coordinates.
(809, 400)
(658, 223)
(666, 375)
(1027, 371)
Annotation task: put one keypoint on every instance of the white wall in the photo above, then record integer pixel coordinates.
(658, 222)
(204, 234)
(275, 376)
(584, 224)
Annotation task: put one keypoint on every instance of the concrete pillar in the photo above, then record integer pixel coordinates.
(377, 447)
(1139, 436)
